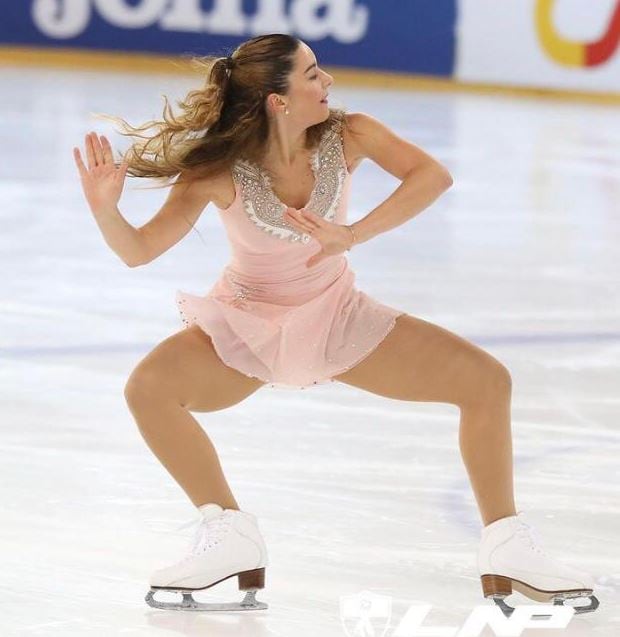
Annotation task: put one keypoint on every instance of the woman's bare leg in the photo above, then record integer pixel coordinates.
(184, 373)
(419, 361)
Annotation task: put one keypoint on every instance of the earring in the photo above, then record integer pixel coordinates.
(286, 112)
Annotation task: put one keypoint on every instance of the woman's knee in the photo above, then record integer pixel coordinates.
(501, 377)
(144, 383)
(161, 373)
(491, 382)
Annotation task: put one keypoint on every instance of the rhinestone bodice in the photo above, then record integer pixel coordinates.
(269, 254)
(266, 211)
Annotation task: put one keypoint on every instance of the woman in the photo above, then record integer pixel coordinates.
(260, 141)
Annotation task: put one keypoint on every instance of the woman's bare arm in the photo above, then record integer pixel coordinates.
(423, 177)
(174, 220)
(102, 182)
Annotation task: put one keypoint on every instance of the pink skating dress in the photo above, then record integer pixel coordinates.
(268, 315)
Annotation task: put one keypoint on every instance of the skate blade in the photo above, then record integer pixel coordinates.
(498, 587)
(249, 602)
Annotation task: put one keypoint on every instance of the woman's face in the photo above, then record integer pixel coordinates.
(308, 87)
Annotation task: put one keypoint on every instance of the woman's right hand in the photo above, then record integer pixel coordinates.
(102, 181)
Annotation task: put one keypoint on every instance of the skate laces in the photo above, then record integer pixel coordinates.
(209, 533)
(531, 536)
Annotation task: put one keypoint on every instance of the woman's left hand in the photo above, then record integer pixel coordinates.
(333, 237)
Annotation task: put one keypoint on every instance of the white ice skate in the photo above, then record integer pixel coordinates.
(227, 544)
(509, 558)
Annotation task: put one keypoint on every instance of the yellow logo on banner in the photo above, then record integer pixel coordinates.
(574, 52)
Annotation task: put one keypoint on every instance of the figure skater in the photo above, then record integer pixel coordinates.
(260, 141)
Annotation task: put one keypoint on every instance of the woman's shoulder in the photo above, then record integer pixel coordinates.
(222, 186)
(217, 186)
(352, 152)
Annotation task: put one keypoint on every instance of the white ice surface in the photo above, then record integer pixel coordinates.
(353, 491)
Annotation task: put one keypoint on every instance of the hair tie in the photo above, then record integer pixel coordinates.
(228, 61)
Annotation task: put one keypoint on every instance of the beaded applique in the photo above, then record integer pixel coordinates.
(266, 210)
(242, 292)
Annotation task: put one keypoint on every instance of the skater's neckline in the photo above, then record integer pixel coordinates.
(313, 160)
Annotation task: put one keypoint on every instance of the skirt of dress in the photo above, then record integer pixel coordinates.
(291, 347)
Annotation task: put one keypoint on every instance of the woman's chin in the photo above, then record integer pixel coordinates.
(323, 117)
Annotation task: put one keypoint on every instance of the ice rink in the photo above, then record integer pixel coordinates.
(353, 492)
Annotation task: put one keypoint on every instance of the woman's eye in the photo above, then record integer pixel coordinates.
(313, 77)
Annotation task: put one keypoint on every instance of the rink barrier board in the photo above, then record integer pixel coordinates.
(152, 63)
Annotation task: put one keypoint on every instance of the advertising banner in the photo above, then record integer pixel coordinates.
(416, 36)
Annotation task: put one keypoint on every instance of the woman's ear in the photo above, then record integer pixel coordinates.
(274, 102)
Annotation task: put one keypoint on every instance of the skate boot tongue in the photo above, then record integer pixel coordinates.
(210, 510)
(509, 522)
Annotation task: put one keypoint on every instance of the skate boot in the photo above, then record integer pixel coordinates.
(509, 558)
(227, 543)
